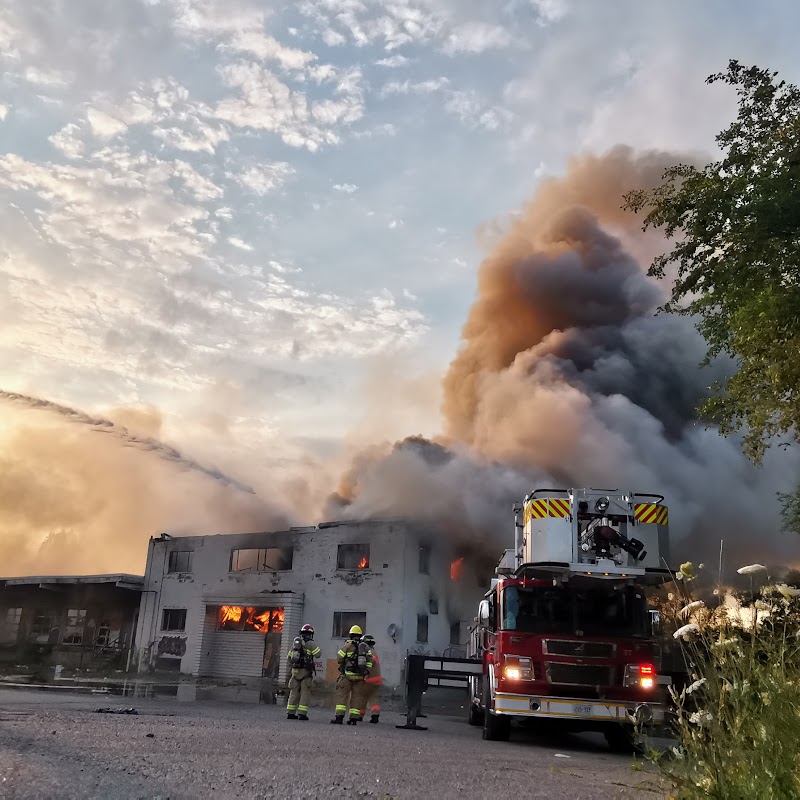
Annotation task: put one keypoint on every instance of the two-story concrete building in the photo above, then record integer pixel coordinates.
(229, 606)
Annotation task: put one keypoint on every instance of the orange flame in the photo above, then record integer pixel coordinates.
(230, 614)
(456, 568)
(364, 563)
(277, 619)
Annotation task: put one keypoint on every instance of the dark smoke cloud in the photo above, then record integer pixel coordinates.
(567, 376)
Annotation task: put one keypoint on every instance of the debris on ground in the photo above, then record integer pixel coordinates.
(116, 711)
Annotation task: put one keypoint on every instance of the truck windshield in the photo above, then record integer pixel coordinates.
(590, 611)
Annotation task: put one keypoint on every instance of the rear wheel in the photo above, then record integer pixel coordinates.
(621, 739)
(496, 728)
(475, 714)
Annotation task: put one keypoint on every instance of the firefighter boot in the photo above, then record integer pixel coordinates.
(303, 716)
(374, 719)
(338, 719)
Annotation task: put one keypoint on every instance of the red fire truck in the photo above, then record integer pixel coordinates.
(564, 634)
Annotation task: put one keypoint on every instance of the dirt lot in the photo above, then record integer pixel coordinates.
(54, 745)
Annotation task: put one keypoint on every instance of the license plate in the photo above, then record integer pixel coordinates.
(582, 709)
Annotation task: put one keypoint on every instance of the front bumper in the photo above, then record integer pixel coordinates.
(525, 705)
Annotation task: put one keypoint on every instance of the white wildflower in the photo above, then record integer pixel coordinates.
(699, 718)
(695, 686)
(788, 591)
(685, 630)
(725, 642)
(751, 569)
(677, 753)
(693, 606)
(762, 606)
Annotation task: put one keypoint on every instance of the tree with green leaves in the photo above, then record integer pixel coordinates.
(735, 257)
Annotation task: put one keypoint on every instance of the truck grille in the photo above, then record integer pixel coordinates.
(563, 647)
(579, 674)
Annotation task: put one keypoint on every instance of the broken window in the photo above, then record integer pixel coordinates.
(173, 619)
(46, 625)
(433, 603)
(249, 618)
(344, 620)
(76, 620)
(422, 628)
(268, 559)
(9, 625)
(352, 556)
(103, 635)
(424, 559)
(180, 561)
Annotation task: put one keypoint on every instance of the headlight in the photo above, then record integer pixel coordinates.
(642, 676)
(601, 505)
(516, 668)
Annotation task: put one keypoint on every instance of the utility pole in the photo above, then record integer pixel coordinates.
(721, 560)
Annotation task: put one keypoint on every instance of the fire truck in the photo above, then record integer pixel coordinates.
(565, 632)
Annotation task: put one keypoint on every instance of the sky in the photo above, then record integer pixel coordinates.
(253, 228)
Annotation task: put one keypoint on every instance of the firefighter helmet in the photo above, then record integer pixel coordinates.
(355, 631)
(369, 639)
(307, 630)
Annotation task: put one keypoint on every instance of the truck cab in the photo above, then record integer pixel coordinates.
(570, 641)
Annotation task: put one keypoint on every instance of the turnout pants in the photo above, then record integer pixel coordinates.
(350, 695)
(372, 699)
(299, 692)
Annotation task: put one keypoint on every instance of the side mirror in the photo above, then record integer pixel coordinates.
(483, 613)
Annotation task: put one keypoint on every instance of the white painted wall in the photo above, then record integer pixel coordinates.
(391, 591)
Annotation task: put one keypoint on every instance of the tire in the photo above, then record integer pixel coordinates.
(496, 728)
(475, 715)
(621, 739)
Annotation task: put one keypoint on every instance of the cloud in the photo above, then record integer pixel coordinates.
(265, 103)
(476, 37)
(263, 178)
(347, 188)
(3, 112)
(104, 125)
(241, 245)
(392, 62)
(240, 27)
(410, 87)
(472, 110)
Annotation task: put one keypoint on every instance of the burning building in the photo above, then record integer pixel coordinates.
(229, 606)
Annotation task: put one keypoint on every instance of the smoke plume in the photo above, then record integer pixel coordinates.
(567, 376)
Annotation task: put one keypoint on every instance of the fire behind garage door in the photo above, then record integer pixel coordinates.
(242, 641)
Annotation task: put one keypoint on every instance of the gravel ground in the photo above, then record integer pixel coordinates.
(54, 746)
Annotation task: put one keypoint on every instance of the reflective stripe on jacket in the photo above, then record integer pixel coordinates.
(346, 658)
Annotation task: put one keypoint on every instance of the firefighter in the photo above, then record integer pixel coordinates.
(373, 682)
(302, 657)
(355, 661)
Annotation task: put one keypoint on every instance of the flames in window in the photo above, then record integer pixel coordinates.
(364, 563)
(230, 614)
(457, 569)
(250, 618)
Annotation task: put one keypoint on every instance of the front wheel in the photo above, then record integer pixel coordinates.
(496, 728)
